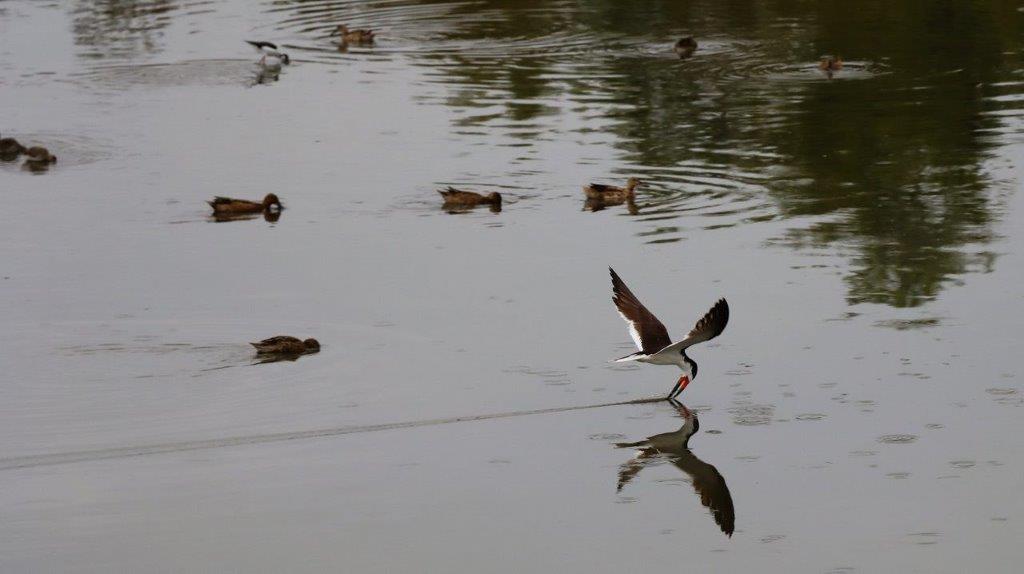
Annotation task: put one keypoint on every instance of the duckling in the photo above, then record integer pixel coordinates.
(685, 47)
(457, 198)
(39, 155)
(611, 194)
(10, 149)
(831, 64)
(285, 345)
(228, 205)
(360, 36)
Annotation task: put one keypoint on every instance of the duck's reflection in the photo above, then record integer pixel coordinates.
(599, 204)
(674, 447)
(270, 216)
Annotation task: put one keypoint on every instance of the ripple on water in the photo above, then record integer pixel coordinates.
(752, 414)
(897, 439)
(213, 72)
(809, 417)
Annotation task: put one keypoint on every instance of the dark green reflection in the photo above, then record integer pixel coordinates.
(884, 161)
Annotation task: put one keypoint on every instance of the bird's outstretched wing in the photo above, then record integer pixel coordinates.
(260, 45)
(708, 327)
(649, 334)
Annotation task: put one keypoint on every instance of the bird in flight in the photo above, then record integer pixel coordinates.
(651, 336)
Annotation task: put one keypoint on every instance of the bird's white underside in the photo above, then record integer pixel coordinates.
(670, 355)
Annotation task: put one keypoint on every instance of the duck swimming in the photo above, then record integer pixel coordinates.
(10, 149)
(359, 36)
(685, 47)
(611, 194)
(227, 205)
(285, 345)
(830, 64)
(39, 155)
(458, 198)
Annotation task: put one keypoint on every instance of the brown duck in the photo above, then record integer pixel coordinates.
(457, 198)
(831, 64)
(285, 345)
(10, 149)
(611, 194)
(685, 47)
(347, 36)
(39, 155)
(225, 205)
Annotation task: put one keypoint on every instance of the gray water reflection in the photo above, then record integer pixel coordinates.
(674, 447)
(122, 28)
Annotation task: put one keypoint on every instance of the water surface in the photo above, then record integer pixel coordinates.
(862, 405)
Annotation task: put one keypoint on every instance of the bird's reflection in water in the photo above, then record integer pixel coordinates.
(265, 75)
(462, 209)
(674, 447)
(598, 205)
(270, 215)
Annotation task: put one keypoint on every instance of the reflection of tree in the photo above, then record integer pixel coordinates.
(887, 162)
(120, 27)
(900, 155)
(894, 157)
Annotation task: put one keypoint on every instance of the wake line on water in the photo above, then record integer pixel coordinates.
(30, 461)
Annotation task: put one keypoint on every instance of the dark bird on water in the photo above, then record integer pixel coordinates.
(456, 198)
(611, 193)
(685, 47)
(285, 345)
(224, 205)
(349, 36)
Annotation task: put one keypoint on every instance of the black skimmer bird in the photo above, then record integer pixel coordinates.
(651, 336)
(272, 57)
(674, 446)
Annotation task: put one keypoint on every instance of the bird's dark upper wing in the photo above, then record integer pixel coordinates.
(649, 334)
(262, 44)
(711, 324)
(708, 327)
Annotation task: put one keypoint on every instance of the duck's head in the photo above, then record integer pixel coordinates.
(311, 345)
(285, 59)
(686, 43)
(341, 30)
(831, 63)
(494, 198)
(271, 200)
(632, 183)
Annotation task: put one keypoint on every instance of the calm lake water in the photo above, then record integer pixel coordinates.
(862, 409)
